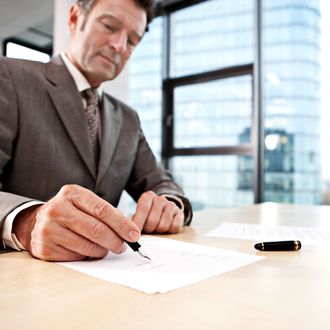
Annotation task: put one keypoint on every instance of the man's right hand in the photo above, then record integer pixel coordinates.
(73, 225)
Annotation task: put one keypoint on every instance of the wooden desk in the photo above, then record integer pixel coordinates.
(287, 290)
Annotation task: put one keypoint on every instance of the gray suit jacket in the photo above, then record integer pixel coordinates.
(44, 141)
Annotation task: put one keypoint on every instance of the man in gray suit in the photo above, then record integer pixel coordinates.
(66, 153)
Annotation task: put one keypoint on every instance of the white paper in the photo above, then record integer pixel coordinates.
(174, 265)
(307, 235)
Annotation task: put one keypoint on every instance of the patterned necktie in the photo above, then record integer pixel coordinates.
(91, 95)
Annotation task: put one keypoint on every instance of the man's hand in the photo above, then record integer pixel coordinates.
(155, 214)
(73, 225)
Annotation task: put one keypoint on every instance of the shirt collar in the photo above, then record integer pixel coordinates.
(79, 79)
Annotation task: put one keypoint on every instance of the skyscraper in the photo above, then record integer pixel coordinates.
(292, 95)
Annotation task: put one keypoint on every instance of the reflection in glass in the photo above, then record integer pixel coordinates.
(215, 181)
(211, 35)
(213, 113)
(292, 101)
(216, 34)
(145, 94)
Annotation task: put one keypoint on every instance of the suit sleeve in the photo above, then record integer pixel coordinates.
(148, 174)
(8, 132)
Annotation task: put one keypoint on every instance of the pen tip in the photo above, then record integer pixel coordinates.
(143, 255)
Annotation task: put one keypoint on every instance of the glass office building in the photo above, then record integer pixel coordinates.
(211, 120)
(292, 101)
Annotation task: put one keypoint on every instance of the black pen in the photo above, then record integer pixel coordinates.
(135, 246)
(279, 246)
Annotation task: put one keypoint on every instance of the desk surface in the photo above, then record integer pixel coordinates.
(284, 291)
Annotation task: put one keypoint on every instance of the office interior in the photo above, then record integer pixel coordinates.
(232, 97)
(231, 94)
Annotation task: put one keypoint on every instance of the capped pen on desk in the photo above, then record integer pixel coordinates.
(135, 246)
(279, 246)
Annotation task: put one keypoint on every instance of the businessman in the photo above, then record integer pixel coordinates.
(67, 151)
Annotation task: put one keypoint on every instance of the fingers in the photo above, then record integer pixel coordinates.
(95, 231)
(160, 216)
(96, 207)
(58, 253)
(50, 240)
(76, 223)
(80, 245)
(155, 214)
(143, 209)
(170, 212)
(177, 223)
(54, 253)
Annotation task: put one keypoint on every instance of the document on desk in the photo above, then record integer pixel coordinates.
(174, 264)
(307, 235)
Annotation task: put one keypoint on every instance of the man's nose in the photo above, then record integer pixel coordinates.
(119, 42)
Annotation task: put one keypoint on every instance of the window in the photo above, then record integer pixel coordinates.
(145, 85)
(209, 102)
(292, 101)
(15, 50)
(204, 113)
(206, 72)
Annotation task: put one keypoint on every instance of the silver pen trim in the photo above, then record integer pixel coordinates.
(143, 255)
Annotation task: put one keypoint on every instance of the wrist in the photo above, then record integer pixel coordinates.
(24, 224)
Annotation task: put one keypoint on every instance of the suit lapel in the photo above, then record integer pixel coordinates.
(111, 123)
(68, 104)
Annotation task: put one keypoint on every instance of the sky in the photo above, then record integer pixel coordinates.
(325, 88)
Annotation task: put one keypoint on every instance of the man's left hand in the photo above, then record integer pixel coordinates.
(156, 214)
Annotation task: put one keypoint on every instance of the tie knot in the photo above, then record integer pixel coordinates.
(91, 95)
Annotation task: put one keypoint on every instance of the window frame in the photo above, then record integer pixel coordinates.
(47, 50)
(256, 147)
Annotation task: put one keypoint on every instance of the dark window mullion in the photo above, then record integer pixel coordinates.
(229, 72)
(232, 150)
(258, 112)
(170, 6)
(167, 124)
(167, 109)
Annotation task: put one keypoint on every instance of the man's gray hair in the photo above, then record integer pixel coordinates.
(147, 5)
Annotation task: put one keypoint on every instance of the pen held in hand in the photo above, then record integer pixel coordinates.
(135, 246)
(279, 246)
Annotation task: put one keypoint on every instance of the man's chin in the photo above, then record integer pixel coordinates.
(100, 77)
(108, 71)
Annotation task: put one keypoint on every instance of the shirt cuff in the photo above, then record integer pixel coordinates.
(9, 239)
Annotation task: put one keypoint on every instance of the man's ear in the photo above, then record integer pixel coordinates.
(73, 19)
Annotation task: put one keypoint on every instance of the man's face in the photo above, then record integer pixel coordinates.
(102, 42)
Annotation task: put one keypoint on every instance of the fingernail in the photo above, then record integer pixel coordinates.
(124, 248)
(134, 235)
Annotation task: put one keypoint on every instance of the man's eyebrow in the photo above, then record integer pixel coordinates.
(120, 23)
